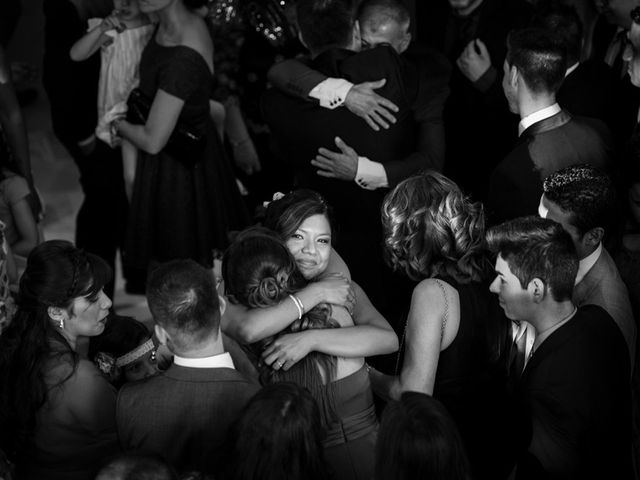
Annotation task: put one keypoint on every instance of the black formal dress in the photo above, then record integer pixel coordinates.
(181, 207)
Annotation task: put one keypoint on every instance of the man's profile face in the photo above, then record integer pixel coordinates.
(514, 300)
(390, 33)
(509, 90)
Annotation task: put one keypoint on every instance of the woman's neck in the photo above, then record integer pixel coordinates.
(71, 339)
(172, 23)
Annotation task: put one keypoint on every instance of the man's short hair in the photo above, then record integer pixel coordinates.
(379, 12)
(585, 192)
(183, 300)
(137, 467)
(536, 247)
(326, 24)
(563, 22)
(539, 58)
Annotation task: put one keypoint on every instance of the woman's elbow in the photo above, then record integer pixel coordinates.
(392, 343)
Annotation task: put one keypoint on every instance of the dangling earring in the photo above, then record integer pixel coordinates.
(153, 355)
(61, 324)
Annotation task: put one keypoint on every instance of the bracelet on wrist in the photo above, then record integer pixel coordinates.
(296, 301)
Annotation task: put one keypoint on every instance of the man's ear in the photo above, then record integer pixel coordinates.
(537, 290)
(161, 334)
(356, 37)
(301, 38)
(514, 76)
(404, 44)
(593, 237)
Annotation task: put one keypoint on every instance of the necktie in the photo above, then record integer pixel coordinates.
(519, 350)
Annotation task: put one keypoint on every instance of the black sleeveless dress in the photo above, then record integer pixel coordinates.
(471, 387)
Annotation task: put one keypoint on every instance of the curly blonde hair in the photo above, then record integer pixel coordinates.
(431, 228)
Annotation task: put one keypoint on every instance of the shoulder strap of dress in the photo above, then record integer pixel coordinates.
(446, 309)
(442, 325)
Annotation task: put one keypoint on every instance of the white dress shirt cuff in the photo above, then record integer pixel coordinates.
(331, 92)
(371, 175)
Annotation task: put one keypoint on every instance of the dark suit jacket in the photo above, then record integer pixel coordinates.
(480, 130)
(183, 414)
(603, 286)
(556, 142)
(299, 128)
(576, 400)
(590, 91)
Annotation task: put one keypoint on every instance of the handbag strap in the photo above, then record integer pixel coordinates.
(443, 324)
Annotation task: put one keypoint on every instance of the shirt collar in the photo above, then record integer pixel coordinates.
(217, 361)
(542, 336)
(538, 116)
(571, 69)
(587, 263)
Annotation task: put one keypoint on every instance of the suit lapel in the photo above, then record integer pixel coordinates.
(547, 124)
(551, 344)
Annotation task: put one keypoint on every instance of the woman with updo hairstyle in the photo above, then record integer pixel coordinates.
(259, 271)
(435, 235)
(302, 220)
(278, 437)
(418, 439)
(57, 412)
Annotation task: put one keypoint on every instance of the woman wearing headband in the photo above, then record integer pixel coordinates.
(125, 351)
(57, 412)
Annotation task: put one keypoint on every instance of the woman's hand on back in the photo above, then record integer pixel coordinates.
(336, 289)
(288, 350)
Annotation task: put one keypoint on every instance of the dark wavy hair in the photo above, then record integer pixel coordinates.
(278, 437)
(57, 273)
(419, 439)
(431, 228)
(259, 271)
(537, 247)
(285, 215)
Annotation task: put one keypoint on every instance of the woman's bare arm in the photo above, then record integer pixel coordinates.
(163, 118)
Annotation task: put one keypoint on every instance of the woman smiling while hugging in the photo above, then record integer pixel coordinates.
(302, 219)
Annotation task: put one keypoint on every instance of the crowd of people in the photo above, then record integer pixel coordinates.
(448, 289)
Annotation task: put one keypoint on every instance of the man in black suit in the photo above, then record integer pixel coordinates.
(375, 159)
(471, 34)
(574, 395)
(549, 137)
(589, 86)
(184, 413)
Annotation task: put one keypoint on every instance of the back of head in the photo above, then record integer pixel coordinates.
(432, 228)
(418, 439)
(123, 341)
(536, 247)
(57, 273)
(326, 24)
(278, 437)
(259, 270)
(287, 212)
(563, 23)
(539, 58)
(135, 467)
(183, 301)
(585, 192)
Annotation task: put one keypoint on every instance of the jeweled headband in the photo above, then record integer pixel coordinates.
(135, 354)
